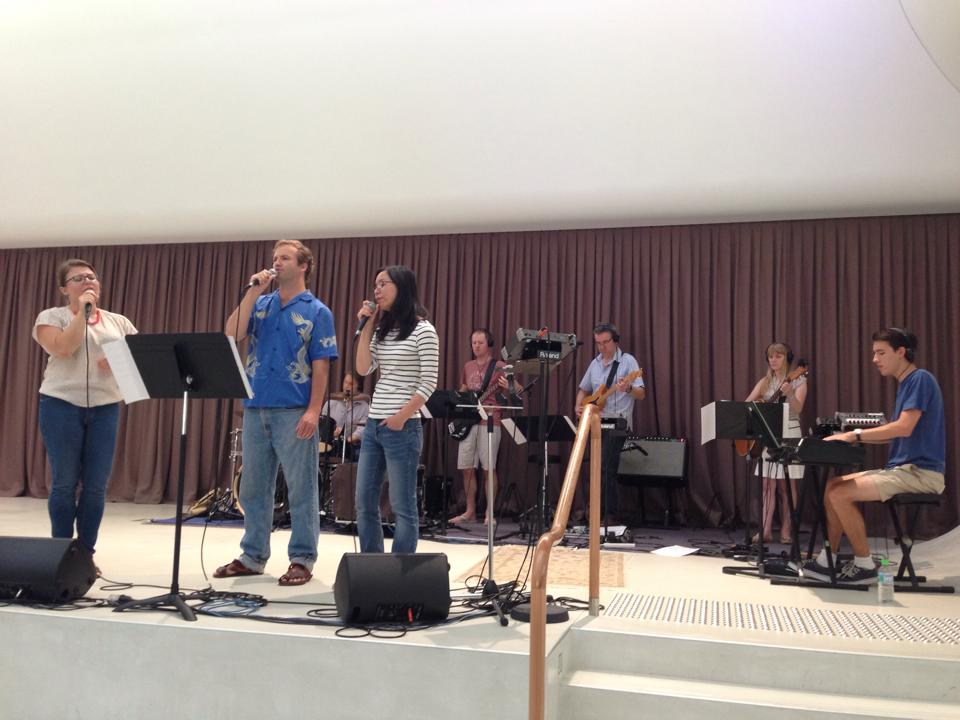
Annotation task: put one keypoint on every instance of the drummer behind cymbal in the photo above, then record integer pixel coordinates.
(349, 410)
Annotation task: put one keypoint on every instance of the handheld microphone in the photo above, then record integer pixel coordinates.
(364, 319)
(256, 281)
(87, 310)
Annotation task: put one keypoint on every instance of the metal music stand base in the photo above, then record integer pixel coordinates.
(173, 600)
(555, 613)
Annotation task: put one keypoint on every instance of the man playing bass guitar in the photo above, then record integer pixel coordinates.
(483, 378)
(612, 369)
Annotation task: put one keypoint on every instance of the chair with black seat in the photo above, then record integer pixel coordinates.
(911, 504)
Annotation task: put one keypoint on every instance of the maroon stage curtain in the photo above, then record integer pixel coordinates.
(696, 304)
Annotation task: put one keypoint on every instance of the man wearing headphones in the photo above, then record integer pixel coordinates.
(610, 367)
(481, 377)
(917, 437)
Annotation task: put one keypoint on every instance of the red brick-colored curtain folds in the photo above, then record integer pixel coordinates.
(697, 305)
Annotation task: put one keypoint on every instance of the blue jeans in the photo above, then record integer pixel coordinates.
(270, 440)
(398, 453)
(80, 443)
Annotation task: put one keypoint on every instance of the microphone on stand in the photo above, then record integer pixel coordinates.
(511, 385)
(256, 281)
(364, 319)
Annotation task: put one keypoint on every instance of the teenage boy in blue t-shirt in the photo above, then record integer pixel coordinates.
(917, 437)
(292, 341)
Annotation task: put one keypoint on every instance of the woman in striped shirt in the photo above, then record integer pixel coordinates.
(403, 345)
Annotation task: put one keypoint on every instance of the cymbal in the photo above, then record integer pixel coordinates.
(359, 397)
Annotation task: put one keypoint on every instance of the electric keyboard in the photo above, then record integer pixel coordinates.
(845, 421)
(814, 451)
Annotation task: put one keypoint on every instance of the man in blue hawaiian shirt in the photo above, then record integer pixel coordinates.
(292, 341)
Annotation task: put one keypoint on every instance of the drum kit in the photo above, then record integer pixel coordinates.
(333, 453)
(336, 481)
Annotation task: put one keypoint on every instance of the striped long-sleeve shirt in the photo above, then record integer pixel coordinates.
(407, 368)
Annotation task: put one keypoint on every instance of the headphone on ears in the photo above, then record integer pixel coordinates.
(610, 328)
(766, 353)
(486, 333)
(907, 340)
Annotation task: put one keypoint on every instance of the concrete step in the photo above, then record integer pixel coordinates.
(893, 670)
(590, 694)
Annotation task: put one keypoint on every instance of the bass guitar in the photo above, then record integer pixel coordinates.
(599, 398)
(460, 428)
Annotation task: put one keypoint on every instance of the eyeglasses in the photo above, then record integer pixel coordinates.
(383, 283)
(77, 279)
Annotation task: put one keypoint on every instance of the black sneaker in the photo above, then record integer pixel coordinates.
(815, 571)
(853, 574)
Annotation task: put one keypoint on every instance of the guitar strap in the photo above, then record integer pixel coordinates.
(491, 366)
(613, 373)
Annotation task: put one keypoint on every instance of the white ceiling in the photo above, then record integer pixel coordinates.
(126, 122)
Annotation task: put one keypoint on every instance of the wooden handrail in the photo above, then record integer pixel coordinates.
(589, 426)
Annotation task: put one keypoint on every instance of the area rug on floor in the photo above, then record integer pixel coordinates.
(567, 566)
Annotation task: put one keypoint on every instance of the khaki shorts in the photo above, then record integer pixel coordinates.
(907, 479)
(474, 447)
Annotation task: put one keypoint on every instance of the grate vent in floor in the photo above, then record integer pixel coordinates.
(783, 619)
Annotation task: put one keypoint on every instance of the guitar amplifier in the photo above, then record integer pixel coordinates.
(665, 462)
(614, 427)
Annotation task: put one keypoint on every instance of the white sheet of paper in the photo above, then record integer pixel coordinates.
(675, 551)
(243, 373)
(708, 423)
(513, 431)
(125, 371)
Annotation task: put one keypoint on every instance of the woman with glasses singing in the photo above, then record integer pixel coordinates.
(402, 344)
(79, 401)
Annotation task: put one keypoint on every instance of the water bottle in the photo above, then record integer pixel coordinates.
(884, 582)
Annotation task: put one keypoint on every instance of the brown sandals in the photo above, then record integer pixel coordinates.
(296, 574)
(234, 568)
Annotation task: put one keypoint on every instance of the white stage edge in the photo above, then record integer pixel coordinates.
(98, 664)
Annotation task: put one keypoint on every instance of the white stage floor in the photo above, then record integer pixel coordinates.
(134, 551)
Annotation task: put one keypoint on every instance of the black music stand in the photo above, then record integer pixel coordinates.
(187, 365)
(761, 422)
(544, 429)
(446, 405)
(540, 351)
(491, 591)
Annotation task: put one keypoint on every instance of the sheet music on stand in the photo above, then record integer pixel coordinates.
(164, 380)
(731, 419)
(560, 428)
(176, 365)
(450, 404)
